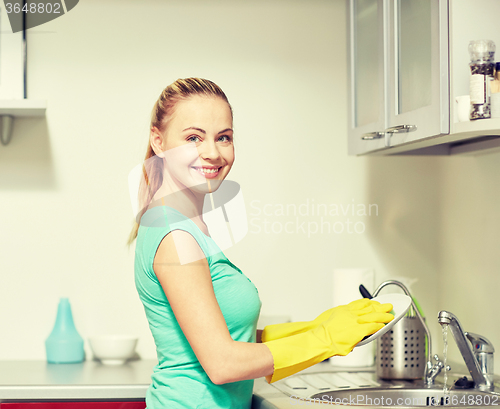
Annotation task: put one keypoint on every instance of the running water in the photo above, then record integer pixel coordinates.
(446, 390)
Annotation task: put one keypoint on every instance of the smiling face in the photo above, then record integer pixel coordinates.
(198, 143)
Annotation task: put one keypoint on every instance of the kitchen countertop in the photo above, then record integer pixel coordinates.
(91, 380)
(39, 380)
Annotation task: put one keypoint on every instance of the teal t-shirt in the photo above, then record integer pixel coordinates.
(179, 380)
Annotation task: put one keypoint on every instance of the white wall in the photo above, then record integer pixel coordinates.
(65, 213)
(469, 276)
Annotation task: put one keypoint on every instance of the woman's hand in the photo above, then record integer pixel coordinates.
(350, 323)
(337, 335)
(287, 329)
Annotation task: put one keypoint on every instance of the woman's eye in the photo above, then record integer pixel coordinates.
(225, 138)
(193, 138)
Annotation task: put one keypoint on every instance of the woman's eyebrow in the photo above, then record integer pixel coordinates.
(195, 128)
(204, 132)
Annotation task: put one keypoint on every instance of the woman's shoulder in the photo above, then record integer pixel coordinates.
(163, 217)
(157, 222)
(180, 248)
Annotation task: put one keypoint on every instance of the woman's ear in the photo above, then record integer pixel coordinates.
(156, 141)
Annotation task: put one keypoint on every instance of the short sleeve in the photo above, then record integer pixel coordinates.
(156, 223)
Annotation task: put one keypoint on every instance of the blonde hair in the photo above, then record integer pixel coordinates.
(152, 169)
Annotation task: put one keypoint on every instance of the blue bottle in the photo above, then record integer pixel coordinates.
(64, 344)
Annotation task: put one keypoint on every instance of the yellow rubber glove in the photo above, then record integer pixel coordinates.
(337, 335)
(277, 331)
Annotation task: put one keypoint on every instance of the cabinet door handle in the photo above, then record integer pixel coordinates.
(372, 135)
(401, 128)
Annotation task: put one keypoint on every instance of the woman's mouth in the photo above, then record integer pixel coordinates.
(209, 173)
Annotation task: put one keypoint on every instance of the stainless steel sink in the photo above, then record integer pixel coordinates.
(364, 389)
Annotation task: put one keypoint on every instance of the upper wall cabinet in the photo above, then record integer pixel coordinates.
(367, 71)
(402, 67)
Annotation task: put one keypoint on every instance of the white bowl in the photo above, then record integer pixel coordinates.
(113, 349)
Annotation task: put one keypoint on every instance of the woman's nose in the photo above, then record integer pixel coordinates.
(209, 150)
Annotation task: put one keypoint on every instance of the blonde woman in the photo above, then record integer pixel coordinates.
(202, 310)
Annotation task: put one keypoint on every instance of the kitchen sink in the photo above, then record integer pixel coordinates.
(408, 397)
(364, 389)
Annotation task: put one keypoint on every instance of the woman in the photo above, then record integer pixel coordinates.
(202, 310)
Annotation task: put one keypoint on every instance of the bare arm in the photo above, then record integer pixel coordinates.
(190, 292)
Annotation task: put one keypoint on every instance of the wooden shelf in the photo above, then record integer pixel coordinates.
(23, 107)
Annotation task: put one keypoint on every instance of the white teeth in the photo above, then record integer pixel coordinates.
(205, 170)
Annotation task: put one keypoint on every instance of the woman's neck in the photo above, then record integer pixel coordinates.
(182, 199)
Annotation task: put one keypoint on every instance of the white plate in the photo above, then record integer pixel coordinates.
(401, 304)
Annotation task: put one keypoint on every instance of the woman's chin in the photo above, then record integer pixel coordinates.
(206, 187)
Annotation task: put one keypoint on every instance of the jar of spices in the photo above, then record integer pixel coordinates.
(495, 93)
(482, 67)
(495, 84)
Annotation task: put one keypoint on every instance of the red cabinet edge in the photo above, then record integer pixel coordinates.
(73, 405)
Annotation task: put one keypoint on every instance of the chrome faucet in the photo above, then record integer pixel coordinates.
(476, 350)
(432, 371)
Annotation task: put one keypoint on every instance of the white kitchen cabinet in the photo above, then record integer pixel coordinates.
(407, 61)
(398, 65)
(367, 114)
(418, 101)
